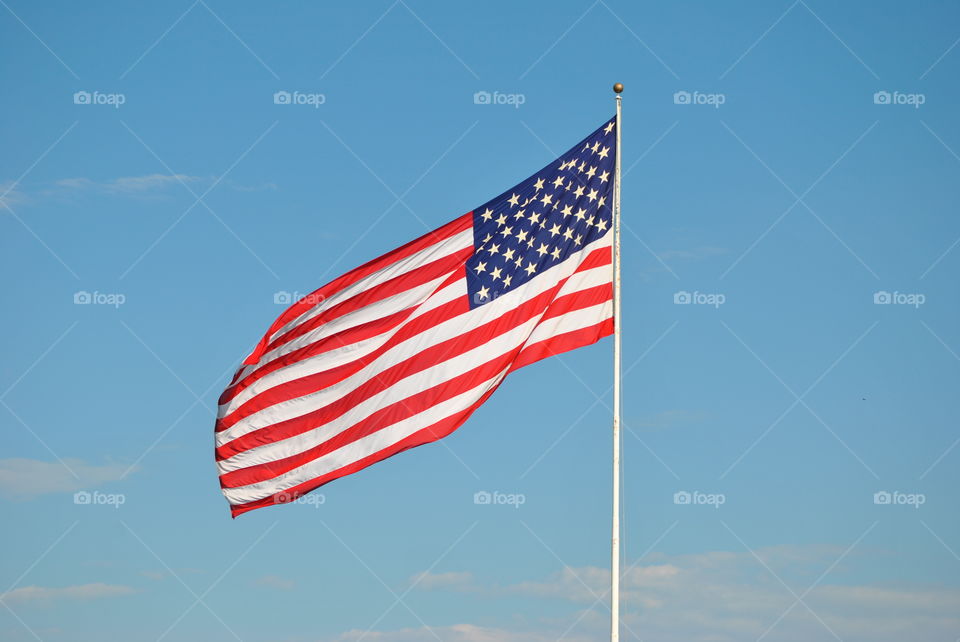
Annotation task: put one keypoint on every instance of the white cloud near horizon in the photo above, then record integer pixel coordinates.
(724, 596)
(24, 479)
(96, 590)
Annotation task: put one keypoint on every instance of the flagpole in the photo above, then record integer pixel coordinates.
(615, 544)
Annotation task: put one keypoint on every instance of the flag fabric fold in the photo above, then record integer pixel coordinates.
(400, 351)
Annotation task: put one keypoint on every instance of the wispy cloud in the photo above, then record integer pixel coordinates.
(128, 184)
(428, 580)
(717, 596)
(94, 591)
(276, 582)
(455, 633)
(22, 479)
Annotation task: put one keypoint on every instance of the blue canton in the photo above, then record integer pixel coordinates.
(543, 220)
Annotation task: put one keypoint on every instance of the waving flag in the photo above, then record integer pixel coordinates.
(400, 351)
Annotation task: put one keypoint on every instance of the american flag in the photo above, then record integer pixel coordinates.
(400, 351)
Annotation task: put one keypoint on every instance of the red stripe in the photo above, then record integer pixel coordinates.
(428, 357)
(400, 283)
(597, 258)
(395, 412)
(427, 435)
(327, 378)
(555, 345)
(442, 233)
(382, 418)
(418, 277)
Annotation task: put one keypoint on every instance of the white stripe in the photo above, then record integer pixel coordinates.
(341, 354)
(396, 392)
(525, 334)
(452, 245)
(446, 330)
(571, 321)
(361, 448)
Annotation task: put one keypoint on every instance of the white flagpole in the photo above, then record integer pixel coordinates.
(615, 547)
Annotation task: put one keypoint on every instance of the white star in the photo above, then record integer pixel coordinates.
(581, 167)
(496, 273)
(591, 172)
(567, 210)
(534, 217)
(590, 221)
(595, 147)
(501, 220)
(508, 255)
(603, 152)
(519, 261)
(539, 184)
(484, 293)
(567, 234)
(554, 230)
(580, 214)
(600, 203)
(604, 177)
(579, 191)
(514, 199)
(555, 253)
(530, 242)
(547, 199)
(481, 267)
(494, 249)
(506, 281)
(601, 225)
(578, 240)
(487, 240)
(542, 249)
(521, 235)
(487, 215)
(585, 147)
(609, 127)
(530, 269)
(507, 231)
(558, 181)
(592, 195)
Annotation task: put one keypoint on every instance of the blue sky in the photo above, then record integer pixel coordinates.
(790, 169)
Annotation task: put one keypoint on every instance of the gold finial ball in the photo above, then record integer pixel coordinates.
(618, 87)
